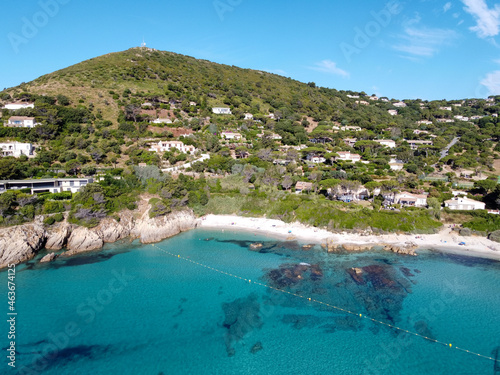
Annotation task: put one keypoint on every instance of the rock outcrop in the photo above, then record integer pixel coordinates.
(21, 243)
(84, 239)
(406, 249)
(333, 247)
(48, 258)
(151, 230)
(57, 237)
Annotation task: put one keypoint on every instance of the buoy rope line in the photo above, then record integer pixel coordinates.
(449, 345)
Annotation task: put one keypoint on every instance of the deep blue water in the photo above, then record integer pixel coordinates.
(132, 309)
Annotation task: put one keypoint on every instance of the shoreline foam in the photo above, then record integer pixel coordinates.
(444, 241)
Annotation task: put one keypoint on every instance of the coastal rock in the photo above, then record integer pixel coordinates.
(356, 247)
(83, 239)
(111, 230)
(332, 247)
(20, 243)
(406, 249)
(48, 258)
(58, 236)
(151, 230)
(255, 246)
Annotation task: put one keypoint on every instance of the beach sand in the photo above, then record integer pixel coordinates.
(446, 240)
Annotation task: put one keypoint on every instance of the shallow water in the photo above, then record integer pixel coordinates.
(132, 309)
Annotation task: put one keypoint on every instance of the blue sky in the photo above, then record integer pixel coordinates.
(429, 49)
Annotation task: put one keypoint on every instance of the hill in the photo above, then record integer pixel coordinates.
(109, 82)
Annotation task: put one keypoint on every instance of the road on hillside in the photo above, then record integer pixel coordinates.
(187, 165)
(444, 153)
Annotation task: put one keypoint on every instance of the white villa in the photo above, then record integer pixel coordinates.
(351, 128)
(302, 185)
(417, 132)
(22, 122)
(399, 104)
(392, 112)
(18, 105)
(221, 111)
(316, 158)
(231, 135)
(163, 146)
(459, 203)
(409, 199)
(347, 156)
(386, 142)
(424, 122)
(415, 143)
(162, 121)
(16, 149)
(248, 116)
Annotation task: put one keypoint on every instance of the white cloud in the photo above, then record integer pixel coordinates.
(492, 82)
(447, 6)
(328, 66)
(488, 20)
(423, 41)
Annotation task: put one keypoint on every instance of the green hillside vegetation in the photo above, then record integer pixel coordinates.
(96, 120)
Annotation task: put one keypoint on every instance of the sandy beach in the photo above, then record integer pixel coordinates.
(446, 240)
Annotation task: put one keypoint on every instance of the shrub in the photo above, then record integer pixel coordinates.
(49, 220)
(58, 217)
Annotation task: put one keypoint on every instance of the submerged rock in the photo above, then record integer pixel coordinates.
(256, 348)
(292, 274)
(241, 317)
(255, 246)
(48, 258)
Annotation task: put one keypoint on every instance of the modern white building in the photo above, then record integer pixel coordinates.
(16, 149)
(221, 111)
(315, 158)
(415, 143)
(424, 122)
(51, 185)
(248, 116)
(162, 121)
(21, 122)
(461, 203)
(399, 104)
(164, 146)
(392, 112)
(351, 128)
(231, 135)
(386, 142)
(347, 156)
(18, 105)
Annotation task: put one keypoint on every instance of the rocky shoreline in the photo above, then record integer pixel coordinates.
(22, 243)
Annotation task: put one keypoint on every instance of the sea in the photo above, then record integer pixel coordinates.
(227, 302)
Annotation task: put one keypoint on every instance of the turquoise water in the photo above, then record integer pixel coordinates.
(132, 309)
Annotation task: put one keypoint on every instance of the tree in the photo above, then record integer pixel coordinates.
(72, 167)
(287, 182)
